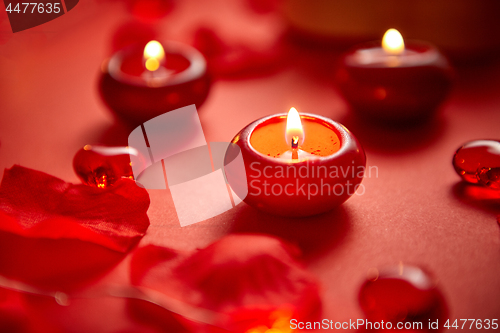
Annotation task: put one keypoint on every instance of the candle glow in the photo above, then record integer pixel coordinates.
(294, 135)
(393, 42)
(280, 322)
(154, 55)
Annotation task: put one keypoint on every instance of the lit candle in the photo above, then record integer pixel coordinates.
(394, 81)
(268, 139)
(141, 82)
(393, 42)
(154, 57)
(299, 165)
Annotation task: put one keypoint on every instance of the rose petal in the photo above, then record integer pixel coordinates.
(39, 205)
(17, 317)
(132, 33)
(237, 61)
(150, 10)
(239, 275)
(156, 317)
(264, 6)
(57, 235)
(13, 316)
(152, 262)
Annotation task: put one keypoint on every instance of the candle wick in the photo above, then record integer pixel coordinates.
(295, 146)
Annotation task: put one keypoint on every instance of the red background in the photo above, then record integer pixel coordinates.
(416, 211)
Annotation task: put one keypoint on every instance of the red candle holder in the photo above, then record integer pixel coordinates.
(329, 168)
(136, 94)
(387, 87)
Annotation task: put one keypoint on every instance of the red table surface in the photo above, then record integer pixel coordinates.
(416, 211)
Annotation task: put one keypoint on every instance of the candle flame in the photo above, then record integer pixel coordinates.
(294, 132)
(393, 42)
(153, 54)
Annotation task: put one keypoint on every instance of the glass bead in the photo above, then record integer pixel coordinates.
(402, 294)
(478, 162)
(102, 166)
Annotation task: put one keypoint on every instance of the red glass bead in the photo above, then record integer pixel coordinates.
(102, 166)
(478, 162)
(402, 294)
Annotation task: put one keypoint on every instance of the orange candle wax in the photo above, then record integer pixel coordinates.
(319, 138)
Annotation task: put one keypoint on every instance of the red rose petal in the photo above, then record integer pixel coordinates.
(156, 317)
(47, 207)
(132, 33)
(236, 61)
(150, 10)
(17, 317)
(209, 43)
(56, 234)
(264, 6)
(13, 317)
(260, 268)
(239, 275)
(151, 262)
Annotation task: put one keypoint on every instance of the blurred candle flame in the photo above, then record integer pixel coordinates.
(154, 55)
(280, 322)
(393, 42)
(294, 128)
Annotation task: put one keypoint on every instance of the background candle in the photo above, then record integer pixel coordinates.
(395, 82)
(329, 175)
(466, 32)
(138, 87)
